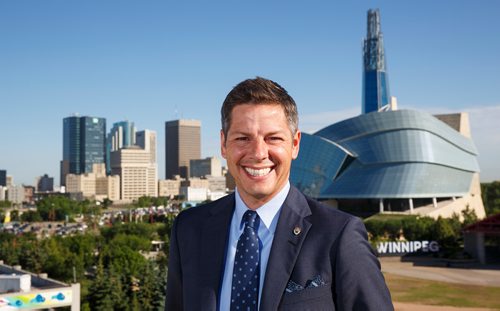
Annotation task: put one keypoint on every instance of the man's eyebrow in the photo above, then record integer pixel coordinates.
(278, 132)
(239, 133)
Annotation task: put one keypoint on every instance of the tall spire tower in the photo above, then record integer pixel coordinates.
(375, 80)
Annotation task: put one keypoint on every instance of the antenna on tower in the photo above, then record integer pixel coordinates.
(176, 112)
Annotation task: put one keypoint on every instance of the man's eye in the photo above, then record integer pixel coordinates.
(275, 138)
(242, 138)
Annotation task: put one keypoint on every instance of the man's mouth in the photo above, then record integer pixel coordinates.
(258, 172)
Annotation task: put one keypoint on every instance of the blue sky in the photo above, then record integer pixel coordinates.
(154, 61)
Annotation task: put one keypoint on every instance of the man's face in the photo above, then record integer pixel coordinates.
(259, 149)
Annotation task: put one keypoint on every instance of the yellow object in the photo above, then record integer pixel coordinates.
(7, 217)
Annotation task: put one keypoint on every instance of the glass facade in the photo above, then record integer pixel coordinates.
(121, 135)
(392, 154)
(375, 80)
(93, 142)
(318, 163)
(384, 154)
(71, 144)
(3, 178)
(84, 143)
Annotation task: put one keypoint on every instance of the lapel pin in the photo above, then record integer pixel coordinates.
(296, 230)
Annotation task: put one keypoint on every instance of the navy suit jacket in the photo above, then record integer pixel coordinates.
(331, 245)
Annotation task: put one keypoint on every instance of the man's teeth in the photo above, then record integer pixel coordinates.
(258, 172)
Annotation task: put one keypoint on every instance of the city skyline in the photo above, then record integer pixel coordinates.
(155, 62)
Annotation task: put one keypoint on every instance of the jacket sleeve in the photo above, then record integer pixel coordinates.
(359, 283)
(174, 297)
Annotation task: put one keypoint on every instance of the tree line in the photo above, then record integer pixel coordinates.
(490, 192)
(108, 263)
(447, 231)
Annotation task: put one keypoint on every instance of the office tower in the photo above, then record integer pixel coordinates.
(182, 143)
(84, 144)
(44, 183)
(3, 178)
(205, 167)
(375, 80)
(136, 165)
(121, 135)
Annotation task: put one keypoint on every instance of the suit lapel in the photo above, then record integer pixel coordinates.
(285, 249)
(215, 233)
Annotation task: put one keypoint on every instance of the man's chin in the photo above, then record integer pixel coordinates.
(261, 194)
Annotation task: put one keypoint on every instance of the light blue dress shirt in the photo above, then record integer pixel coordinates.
(269, 214)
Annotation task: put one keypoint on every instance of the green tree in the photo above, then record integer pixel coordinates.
(376, 228)
(5, 203)
(14, 215)
(10, 249)
(144, 201)
(469, 216)
(393, 228)
(106, 203)
(100, 294)
(31, 216)
(148, 284)
(447, 237)
(32, 256)
(490, 193)
(118, 288)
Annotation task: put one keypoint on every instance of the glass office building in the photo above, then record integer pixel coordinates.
(121, 135)
(375, 80)
(84, 143)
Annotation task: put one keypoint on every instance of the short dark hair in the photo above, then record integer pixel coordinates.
(256, 92)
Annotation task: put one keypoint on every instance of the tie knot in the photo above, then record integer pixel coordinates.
(251, 219)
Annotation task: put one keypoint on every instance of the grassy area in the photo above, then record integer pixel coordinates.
(389, 217)
(426, 292)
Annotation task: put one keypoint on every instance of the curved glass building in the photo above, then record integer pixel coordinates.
(389, 158)
(392, 154)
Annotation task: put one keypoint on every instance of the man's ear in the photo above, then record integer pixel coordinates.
(296, 144)
(222, 144)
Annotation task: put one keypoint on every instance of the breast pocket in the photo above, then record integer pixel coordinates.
(315, 298)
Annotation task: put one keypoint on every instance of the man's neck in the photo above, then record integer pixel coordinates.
(254, 203)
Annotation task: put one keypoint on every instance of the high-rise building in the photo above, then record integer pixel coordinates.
(3, 178)
(205, 167)
(136, 165)
(44, 184)
(121, 135)
(375, 80)
(182, 143)
(84, 144)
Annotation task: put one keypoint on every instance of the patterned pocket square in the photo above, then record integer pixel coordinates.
(315, 282)
(294, 287)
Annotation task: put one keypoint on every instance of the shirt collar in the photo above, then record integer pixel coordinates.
(266, 212)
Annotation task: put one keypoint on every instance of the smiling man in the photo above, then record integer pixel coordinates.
(267, 246)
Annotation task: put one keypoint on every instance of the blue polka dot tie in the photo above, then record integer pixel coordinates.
(246, 272)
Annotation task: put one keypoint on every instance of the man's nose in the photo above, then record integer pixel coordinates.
(260, 149)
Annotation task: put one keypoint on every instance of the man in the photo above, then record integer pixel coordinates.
(267, 246)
